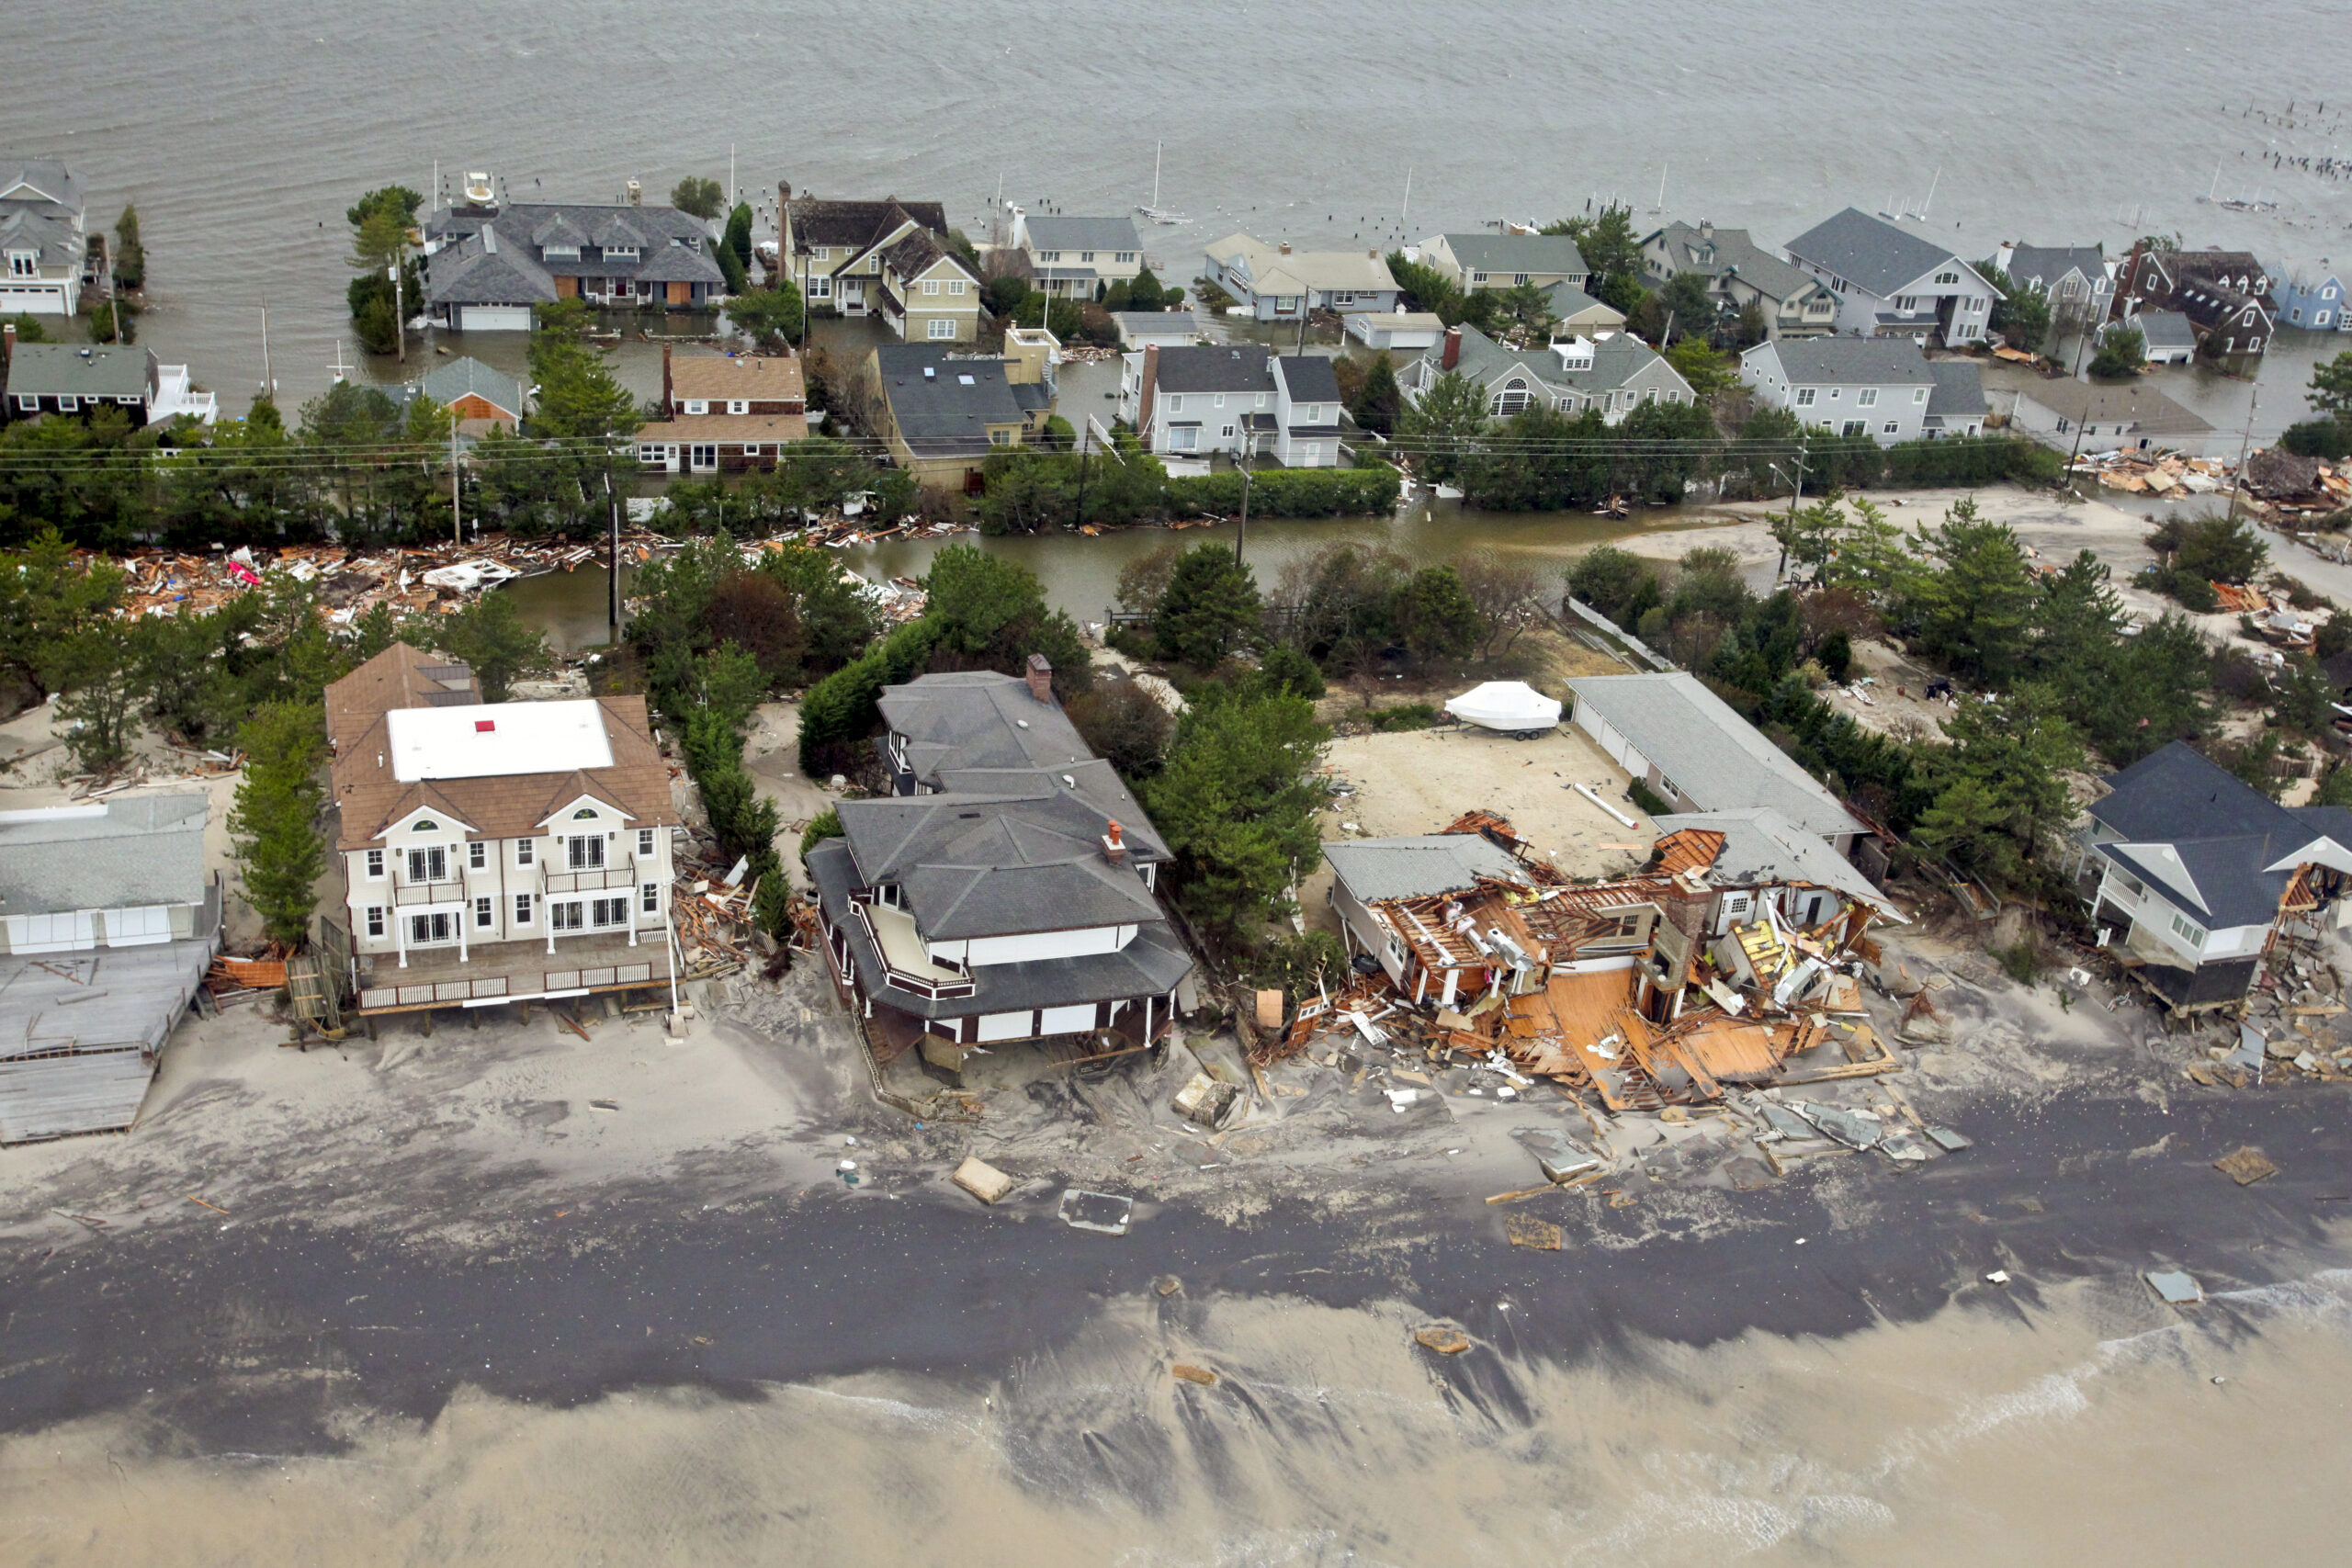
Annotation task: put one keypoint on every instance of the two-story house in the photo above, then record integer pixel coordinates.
(2079, 279)
(890, 257)
(2226, 295)
(1613, 376)
(1276, 283)
(2197, 872)
(942, 415)
(481, 396)
(45, 259)
(2310, 296)
(487, 264)
(1740, 273)
(108, 921)
(1239, 398)
(1071, 258)
(725, 412)
(1878, 387)
(1889, 281)
(50, 379)
(1005, 890)
(501, 851)
(1475, 261)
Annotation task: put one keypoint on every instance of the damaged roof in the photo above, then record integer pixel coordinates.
(1760, 847)
(1422, 866)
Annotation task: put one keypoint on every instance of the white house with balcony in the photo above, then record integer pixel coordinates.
(1239, 399)
(45, 258)
(1890, 281)
(497, 851)
(1005, 890)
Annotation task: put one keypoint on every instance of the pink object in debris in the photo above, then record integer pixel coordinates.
(244, 574)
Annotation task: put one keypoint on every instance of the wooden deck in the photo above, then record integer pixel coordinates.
(511, 971)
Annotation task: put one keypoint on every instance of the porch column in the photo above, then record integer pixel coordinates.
(459, 919)
(399, 929)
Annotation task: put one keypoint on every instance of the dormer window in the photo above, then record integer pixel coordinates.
(618, 252)
(561, 253)
(698, 405)
(586, 814)
(23, 264)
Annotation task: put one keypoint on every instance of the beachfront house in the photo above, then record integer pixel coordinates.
(1276, 283)
(499, 851)
(482, 397)
(2079, 279)
(2094, 416)
(76, 380)
(1689, 748)
(1005, 890)
(1074, 257)
(1957, 405)
(724, 412)
(2226, 295)
(487, 264)
(108, 921)
(1613, 374)
(45, 259)
(890, 257)
(1239, 398)
(1474, 261)
(2197, 872)
(942, 416)
(2311, 294)
(2166, 337)
(1740, 273)
(1852, 386)
(1890, 281)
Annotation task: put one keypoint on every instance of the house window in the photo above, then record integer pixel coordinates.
(1176, 404)
(698, 405)
(1867, 397)
(1947, 277)
(585, 852)
(940, 327)
(375, 919)
(27, 402)
(429, 864)
(477, 855)
(1185, 438)
(999, 438)
(23, 264)
(2254, 345)
(1891, 427)
(931, 285)
(955, 286)
(703, 457)
(1514, 398)
(1855, 426)
(739, 405)
(521, 908)
(605, 913)
(1804, 397)
(1126, 258)
(650, 898)
(1834, 393)
(67, 402)
(2194, 935)
(523, 851)
(375, 865)
(644, 843)
(1476, 278)
(1918, 394)
(567, 916)
(1219, 400)
(821, 288)
(428, 931)
(1228, 433)
(1518, 277)
(485, 913)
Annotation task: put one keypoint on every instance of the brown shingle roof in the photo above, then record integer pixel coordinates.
(368, 797)
(726, 429)
(400, 677)
(760, 377)
(858, 223)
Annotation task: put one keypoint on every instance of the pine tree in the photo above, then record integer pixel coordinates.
(275, 819)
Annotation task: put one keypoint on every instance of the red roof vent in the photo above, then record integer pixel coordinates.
(484, 726)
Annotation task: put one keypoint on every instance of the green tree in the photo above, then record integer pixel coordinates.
(2020, 311)
(1439, 428)
(274, 822)
(2122, 352)
(1691, 305)
(1287, 668)
(1435, 616)
(1378, 402)
(1144, 293)
(2214, 548)
(490, 636)
(30, 330)
(48, 599)
(99, 671)
(1975, 612)
(698, 198)
(1235, 802)
(988, 612)
(1209, 608)
(576, 395)
(130, 256)
(2331, 391)
(771, 316)
(739, 232)
(1808, 535)
(1607, 242)
(1121, 724)
(1615, 582)
(1708, 369)
(2000, 790)
(1424, 287)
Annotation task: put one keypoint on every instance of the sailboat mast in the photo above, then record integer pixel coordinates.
(1156, 147)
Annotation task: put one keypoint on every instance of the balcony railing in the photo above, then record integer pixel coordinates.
(554, 878)
(953, 980)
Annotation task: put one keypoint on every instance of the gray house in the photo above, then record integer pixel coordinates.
(1477, 261)
(1005, 890)
(2134, 416)
(45, 259)
(2078, 278)
(1687, 746)
(2166, 337)
(1740, 273)
(486, 266)
(74, 381)
(1854, 386)
(1276, 283)
(1890, 281)
(1233, 397)
(1956, 406)
(1068, 256)
(109, 922)
(1613, 375)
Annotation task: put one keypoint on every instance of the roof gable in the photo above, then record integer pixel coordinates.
(1874, 253)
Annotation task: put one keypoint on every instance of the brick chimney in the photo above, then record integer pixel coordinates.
(1453, 353)
(7, 341)
(1115, 849)
(1041, 678)
(667, 406)
(1150, 390)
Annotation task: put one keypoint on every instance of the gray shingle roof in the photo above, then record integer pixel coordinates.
(1113, 234)
(146, 849)
(947, 414)
(1567, 300)
(2045, 264)
(1155, 323)
(857, 224)
(1764, 849)
(2220, 833)
(1310, 378)
(1960, 390)
(1616, 360)
(43, 182)
(1422, 866)
(1870, 252)
(53, 369)
(1853, 361)
(2135, 402)
(1517, 253)
(482, 271)
(994, 865)
(1732, 250)
(1713, 756)
(1216, 367)
(466, 377)
(55, 238)
(2165, 329)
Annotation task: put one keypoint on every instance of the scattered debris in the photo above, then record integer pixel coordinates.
(1998, 1277)
(2175, 1288)
(1168, 1285)
(604, 1105)
(1950, 1141)
(1207, 1100)
(1105, 1212)
(1443, 1340)
(983, 1180)
(1200, 1375)
(2246, 1165)
(1525, 1230)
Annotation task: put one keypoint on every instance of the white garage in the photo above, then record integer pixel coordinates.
(493, 318)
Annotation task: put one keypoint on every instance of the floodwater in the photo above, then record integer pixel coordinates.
(243, 133)
(2092, 1426)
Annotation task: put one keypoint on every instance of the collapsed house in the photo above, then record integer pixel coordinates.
(1733, 957)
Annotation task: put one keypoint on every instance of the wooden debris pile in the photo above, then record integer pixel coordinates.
(231, 980)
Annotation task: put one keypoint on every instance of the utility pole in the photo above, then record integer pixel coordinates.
(457, 502)
(268, 384)
(400, 310)
(1241, 536)
(1080, 520)
(2081, 343)
(2237, 486)
(612, 557)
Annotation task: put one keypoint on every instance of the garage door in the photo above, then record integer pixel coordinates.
(494, 319)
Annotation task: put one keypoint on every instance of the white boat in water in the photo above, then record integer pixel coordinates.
(1513, 707)
(1153, 212)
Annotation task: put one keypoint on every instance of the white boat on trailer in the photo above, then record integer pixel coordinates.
(1508, 707)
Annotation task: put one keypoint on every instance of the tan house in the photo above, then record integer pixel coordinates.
(1476, 261)
(502, 851)
(942, 416)
(725, 412)
(888, 257)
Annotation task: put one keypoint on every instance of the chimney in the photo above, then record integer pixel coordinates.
(1286, 247)
(1041, 678)
(1150, 391)
(668, 407)
(1706, 228)
(1115, 849)
(1453, 354)
(7, 341)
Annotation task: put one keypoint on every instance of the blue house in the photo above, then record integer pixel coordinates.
(2313, 296)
